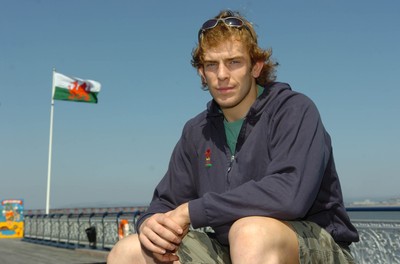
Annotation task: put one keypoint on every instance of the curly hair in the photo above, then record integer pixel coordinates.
(221, 32)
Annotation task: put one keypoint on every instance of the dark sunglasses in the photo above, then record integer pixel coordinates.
(229, 21)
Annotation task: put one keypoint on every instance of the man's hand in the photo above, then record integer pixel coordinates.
(181, 216)
(161, 234)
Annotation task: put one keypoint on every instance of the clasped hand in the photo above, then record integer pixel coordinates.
(161, 234)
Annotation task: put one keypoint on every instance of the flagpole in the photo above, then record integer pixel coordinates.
(50, 146)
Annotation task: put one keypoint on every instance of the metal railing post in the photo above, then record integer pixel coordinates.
(103, 235)
(79, 229)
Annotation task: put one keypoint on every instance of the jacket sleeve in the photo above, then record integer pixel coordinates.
(176, 187)
(299, 151)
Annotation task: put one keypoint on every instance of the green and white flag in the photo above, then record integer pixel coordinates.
(75, 89)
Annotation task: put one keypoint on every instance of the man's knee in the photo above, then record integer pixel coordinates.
(264, 235)
(257, 227)
(126, 250)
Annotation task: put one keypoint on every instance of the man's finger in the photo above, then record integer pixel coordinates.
(167, 257)
(167, 222)
(150, 246)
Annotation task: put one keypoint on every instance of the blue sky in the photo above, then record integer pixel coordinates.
(343, 54)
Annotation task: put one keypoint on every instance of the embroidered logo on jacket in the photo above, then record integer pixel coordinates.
(207, 154)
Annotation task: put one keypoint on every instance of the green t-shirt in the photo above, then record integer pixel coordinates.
(232, 129)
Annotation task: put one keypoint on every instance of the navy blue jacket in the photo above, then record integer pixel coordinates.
(283, 168)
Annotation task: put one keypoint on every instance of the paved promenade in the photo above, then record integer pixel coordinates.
(15, 251)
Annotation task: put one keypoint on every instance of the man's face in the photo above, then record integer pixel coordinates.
(230, 76)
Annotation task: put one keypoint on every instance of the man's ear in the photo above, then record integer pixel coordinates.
(257, 67)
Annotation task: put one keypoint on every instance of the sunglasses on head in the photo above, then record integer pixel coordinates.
(230, 21)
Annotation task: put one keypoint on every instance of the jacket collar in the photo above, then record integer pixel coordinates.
(270, 92)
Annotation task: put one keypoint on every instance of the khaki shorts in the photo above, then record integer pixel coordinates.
(315, 246)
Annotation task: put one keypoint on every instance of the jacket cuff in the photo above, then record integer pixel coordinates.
(197, 212)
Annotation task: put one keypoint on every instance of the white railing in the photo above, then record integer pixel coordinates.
(95, 230)
(379, 239)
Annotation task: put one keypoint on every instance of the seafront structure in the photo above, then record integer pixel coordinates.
(101, 228)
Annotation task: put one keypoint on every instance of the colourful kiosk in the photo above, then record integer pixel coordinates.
(11, 219)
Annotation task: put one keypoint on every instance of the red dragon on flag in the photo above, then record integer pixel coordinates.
(79, 91)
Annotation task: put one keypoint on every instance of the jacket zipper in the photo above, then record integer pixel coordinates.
(229, 168)
(232, 157)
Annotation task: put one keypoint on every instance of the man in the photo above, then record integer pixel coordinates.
(256, 168)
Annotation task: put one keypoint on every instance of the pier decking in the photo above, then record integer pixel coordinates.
(16, 251)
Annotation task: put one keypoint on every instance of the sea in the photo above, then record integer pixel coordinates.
(378, 208)
(374, 213)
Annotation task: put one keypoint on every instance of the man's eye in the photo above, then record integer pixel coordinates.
(235, 64)
(210, 65)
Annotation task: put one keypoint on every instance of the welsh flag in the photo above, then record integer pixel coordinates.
(75, 89)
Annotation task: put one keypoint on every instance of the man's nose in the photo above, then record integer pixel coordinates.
(223, 72)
